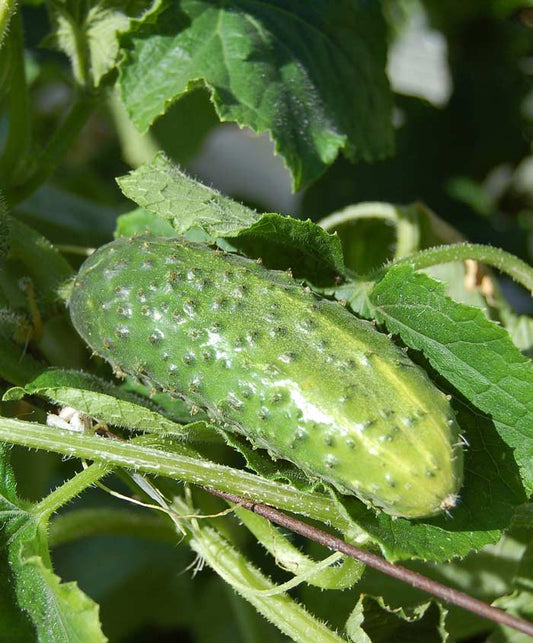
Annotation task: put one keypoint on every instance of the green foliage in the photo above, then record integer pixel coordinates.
(57, 610)
(474, 354)
(310, 114)
(311, 77)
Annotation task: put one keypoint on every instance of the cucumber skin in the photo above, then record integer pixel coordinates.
(293, 372)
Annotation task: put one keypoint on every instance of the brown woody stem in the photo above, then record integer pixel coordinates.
(372, 560)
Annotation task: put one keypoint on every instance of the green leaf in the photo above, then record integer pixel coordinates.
(311, 75)
(163, 189)
(12, 619)
(474, 354)
(381, 624)
(88, 32)
(283, 242)
(59, 611)
(102, 400)
(141, 221)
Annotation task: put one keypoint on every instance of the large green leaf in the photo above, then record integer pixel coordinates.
(310, 74)
(474, 354)
(59, 611)
(190, 207)
(163, 189)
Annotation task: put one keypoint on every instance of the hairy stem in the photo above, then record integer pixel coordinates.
(407, 232)
(83, 523)
(495, 257)
(376, 562)
(173, 465)
(230, 564)
(70, 489)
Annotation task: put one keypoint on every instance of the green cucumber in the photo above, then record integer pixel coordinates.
(295, 373)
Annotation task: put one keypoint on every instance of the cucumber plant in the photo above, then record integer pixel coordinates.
(365, 373)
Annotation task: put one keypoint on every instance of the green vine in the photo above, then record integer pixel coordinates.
(495, 257)
(70, 489)
(149, 459)
(407, 230)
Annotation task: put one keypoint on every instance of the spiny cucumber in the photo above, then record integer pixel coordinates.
(293, 372)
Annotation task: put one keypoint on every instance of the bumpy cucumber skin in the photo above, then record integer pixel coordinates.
(295, 373)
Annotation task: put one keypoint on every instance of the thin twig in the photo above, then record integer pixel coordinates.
(372, 560)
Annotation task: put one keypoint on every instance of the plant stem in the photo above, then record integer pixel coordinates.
(18, 138)
(376, 562)
(83, 523)
(179, 467)
(70, 489)
(61, 141)
(495, 257)
(407, 232)
(7, 8)
(74, 250)
(230, 564)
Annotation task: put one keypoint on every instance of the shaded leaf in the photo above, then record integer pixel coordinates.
(519, 602)
(185, 205)
(141, 221)
(269, 66)
(16, 365)
(67, 215)
(283, 242)
(42, 262)
(381, 624)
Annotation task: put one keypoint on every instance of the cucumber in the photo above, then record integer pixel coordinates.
(293, 372)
